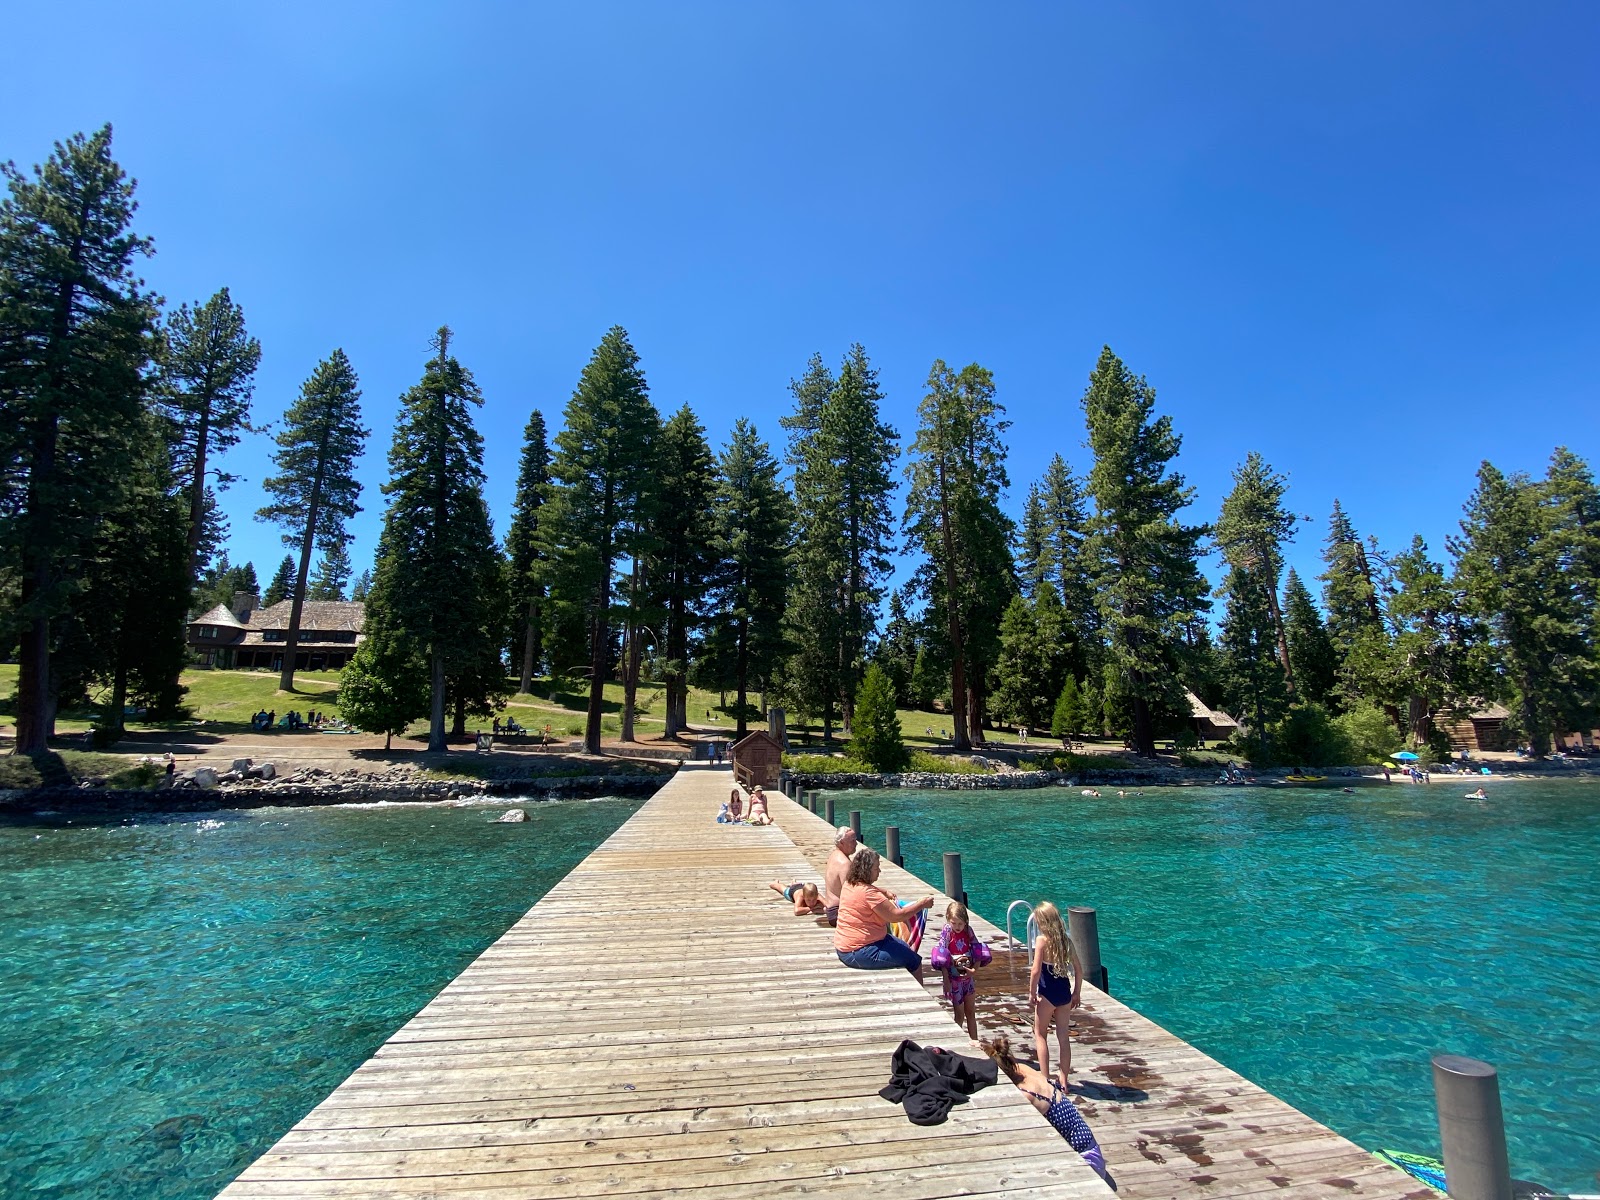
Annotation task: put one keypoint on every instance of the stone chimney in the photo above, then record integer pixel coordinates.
(245, 603)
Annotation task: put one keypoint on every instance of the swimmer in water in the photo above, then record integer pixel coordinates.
(1480, 794)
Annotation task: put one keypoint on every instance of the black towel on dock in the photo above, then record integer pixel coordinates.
(931, 1081)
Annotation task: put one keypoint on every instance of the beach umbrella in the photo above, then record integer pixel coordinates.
(1391, 766)
(1406, 756)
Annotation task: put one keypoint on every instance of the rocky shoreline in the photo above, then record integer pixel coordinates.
(206, 790)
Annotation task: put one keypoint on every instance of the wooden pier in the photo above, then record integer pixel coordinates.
(661, 1022)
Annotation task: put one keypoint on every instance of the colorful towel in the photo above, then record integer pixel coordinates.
(910, 930)
(1419, 1166)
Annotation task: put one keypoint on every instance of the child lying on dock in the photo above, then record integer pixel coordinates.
(1051, 1099)
(807, 900)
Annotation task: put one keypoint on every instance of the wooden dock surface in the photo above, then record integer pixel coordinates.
(1172, 1122)
(661, 1023)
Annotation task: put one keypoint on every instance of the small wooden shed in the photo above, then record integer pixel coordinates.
(756, 759)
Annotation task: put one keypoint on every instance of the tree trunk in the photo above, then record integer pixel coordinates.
(599, 635)
(1282, 637)
(458, 724)
(197, 494)
(740, 725)
(630, 684)
(528, 651)
(34, 715)
(119, 697)
(1144, 736)
(297, 603)
(958, 668)
(436, 739)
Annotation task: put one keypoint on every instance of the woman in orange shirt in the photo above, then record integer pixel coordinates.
(862, 938)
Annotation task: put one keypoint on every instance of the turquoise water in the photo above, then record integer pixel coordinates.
(1326, 945)
(178, 991)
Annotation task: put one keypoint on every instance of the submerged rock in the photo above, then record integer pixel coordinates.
(511, 815)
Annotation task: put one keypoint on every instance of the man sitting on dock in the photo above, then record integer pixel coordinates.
(844, 845)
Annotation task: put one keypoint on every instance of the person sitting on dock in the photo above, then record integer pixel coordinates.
(807, 899)
(1051, 1099)
(862, 938)
(736, 804)
(758, 807)
(838, 866)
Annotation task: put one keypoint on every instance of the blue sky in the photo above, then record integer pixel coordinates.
(1362, 241)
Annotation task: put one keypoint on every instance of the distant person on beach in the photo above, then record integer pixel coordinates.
(807, 899)
(838, 866)
(1055, 987)
(1051, 1099)
(959, 953)
(862, 939)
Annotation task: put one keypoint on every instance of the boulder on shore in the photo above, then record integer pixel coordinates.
(241, 766)
(205, 777)
(511, 816)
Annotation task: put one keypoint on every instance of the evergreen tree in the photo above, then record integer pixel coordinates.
(1033, 659)
(362, 586)
(753, 522)
(1033, 554)
(332, 572)
(75, 335)
(925, 681)
(526, 551)
(602, 472)
(385, 685)
(245, 580)
(1311, 654)
(282, 583)
(1572, 500)
(1433, 642)
(1068, 718)
(897, 650)
(953, 512)
(876, 738)
(1063, 524)
(208, 366)
(1149, 582)
(1509, 563)
(683, 553)
(1355, 617)
(1254, 679)
(440, 581)
(843, 455)
(1251, 533)
(315, 490)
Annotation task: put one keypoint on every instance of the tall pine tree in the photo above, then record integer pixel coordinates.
(1355, 616)
(333, 572)
(752, 522)
(315, 490)
(526, 551)
(602, 473)
(281, 584)
(208, 366)
(1251, 532)
(683, 555)
(1146, 559)
(75, 335)
(1311, 653)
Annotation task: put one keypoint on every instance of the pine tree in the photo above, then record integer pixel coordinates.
(1254, 680)
(1033, 659)
(876, 738)
(1149, 582)
(753, 522)
(282, 583)
(75, 335)
(332, 573)
(1433, 642)
(897, 649)
(1355, 617)
(208, 366)
(925, 681)
(953, 512)
(315, 490)
(362, 586)
(843, 455)
(526, 551)
(1068, 718)
(1251, 533)
(1311, 653)
(440, 580)
(1064, 524)
(682, 559)
(1033, 552)
(1509, 563)
(602, 471)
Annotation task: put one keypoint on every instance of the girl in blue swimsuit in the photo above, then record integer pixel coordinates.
(1054, 987)
(1051, 1099)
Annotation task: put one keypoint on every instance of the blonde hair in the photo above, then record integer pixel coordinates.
(809, 891)
(1055, 945)
(957, 911)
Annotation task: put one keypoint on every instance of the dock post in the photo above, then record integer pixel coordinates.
(891, 845)
(855, 822)
(827, 809)
(1472, 1131)
(1083, 927)
(952, 877)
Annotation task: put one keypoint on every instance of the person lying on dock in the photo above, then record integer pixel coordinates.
(959, 953)
(862, 938)
(844, 845)
(807, 899)
(1051, 1099)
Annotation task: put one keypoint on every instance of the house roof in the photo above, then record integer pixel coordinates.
(1216, 716)
(347, 615)
(220, 615)
(751, 738)
(1490, 712)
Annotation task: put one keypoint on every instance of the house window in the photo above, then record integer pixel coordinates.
(273, 635)
(208, 631)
